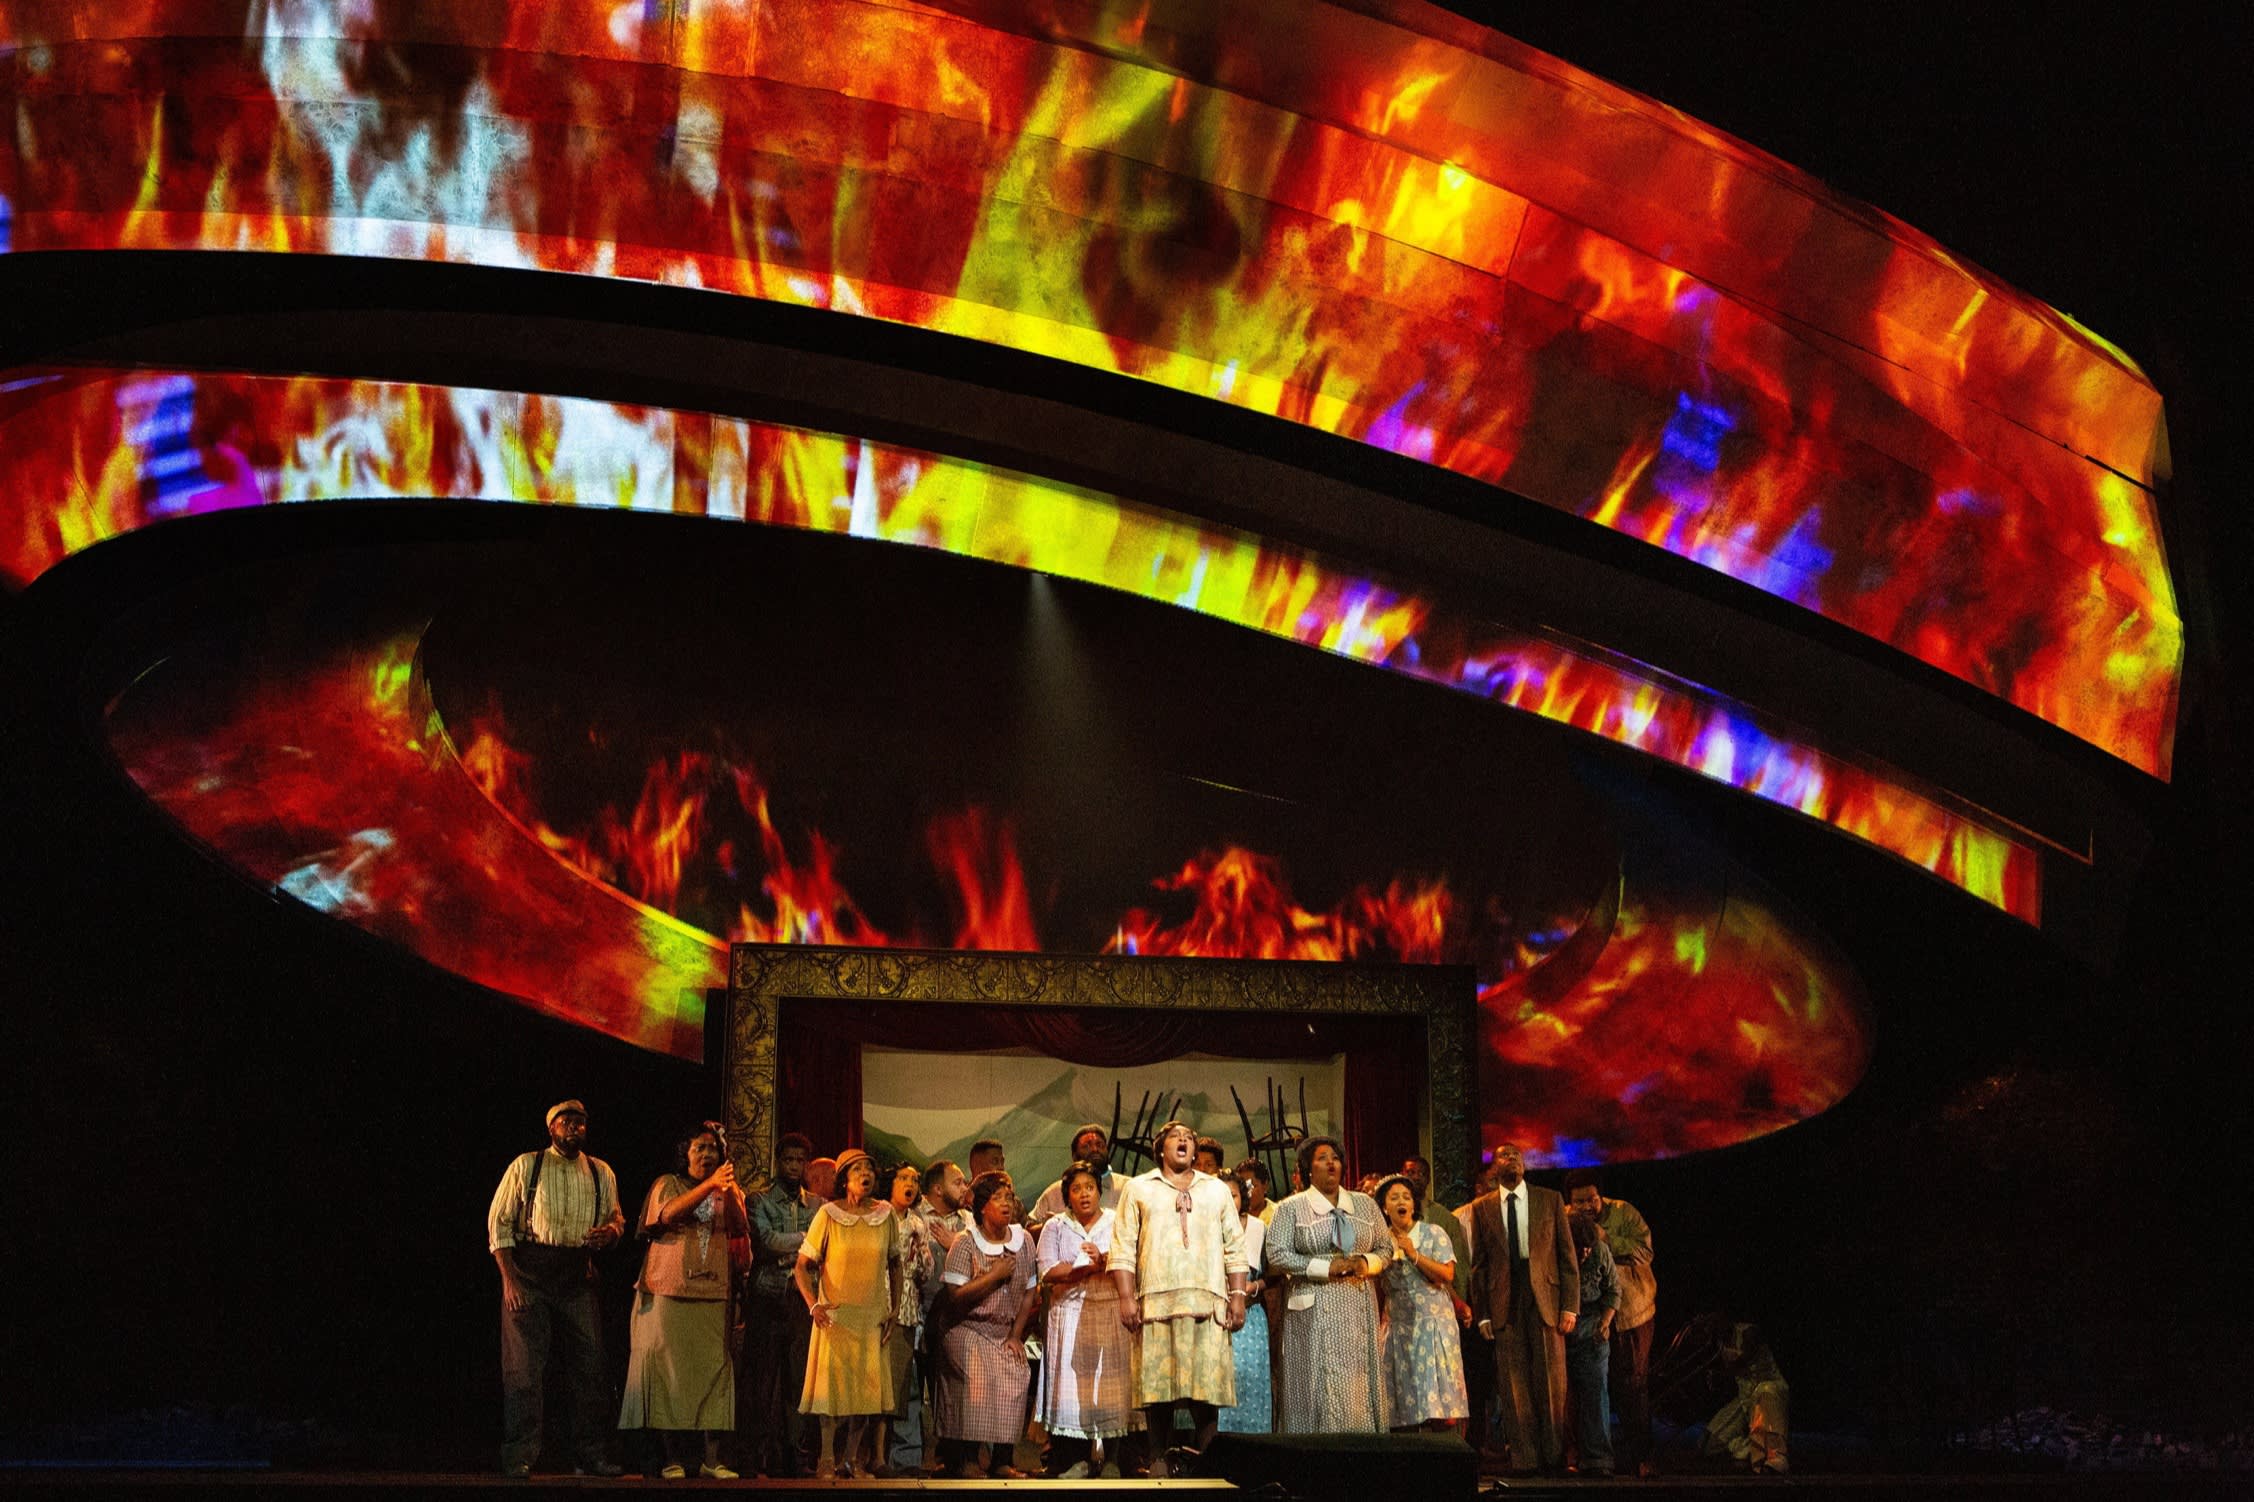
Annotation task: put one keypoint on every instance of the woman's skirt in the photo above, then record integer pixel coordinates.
(982, 1382)
(1088, 1370)
(1255, 1409)
(1185, 1359)
(848, 1374)
(678, 1375)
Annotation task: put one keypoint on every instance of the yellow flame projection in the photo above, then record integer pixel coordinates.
(1367, 217)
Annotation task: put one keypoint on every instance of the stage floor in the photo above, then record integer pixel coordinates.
(89, 1484)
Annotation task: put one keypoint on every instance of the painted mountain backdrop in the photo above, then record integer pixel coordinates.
(918, 1108)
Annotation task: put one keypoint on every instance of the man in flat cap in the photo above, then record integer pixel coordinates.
(555, 1207)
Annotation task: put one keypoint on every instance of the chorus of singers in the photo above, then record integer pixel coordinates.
(926, 1318)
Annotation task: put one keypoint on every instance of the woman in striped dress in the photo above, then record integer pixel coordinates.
(1330, 1246)
(982, 1369)
(1088, 1366)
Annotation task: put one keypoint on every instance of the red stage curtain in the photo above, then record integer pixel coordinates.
(818, 1058)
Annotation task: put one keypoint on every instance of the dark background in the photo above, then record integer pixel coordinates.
(251, 1151)
(2037, 1197)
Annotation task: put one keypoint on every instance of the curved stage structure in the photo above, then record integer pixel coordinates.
(1350, 324)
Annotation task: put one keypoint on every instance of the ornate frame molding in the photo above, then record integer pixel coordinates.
(762, 976)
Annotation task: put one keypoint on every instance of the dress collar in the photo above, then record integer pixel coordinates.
(1011, 1243)
(1089, 1232)
(877, 1214)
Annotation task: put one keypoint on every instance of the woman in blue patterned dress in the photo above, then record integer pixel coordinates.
(1254, 1411)
(1329, 1246)
(1424, 1363)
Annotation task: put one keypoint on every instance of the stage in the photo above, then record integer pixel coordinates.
(279, 1486)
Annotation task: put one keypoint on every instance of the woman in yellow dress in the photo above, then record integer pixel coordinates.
(853, 1248)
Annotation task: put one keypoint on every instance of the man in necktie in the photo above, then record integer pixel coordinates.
(1525, 1295)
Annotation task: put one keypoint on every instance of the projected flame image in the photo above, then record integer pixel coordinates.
(332, 774)
(601, 885)
(100, 454)
(1370, 219)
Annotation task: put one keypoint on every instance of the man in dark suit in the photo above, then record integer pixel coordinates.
(1526, 1295)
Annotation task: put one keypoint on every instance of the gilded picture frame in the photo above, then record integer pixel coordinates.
(761, 977)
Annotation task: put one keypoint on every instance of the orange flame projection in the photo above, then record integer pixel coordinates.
(1243, 908)
(326, 773)
(322, 775)
(979, 852)
(1369, 217)
(94, 455)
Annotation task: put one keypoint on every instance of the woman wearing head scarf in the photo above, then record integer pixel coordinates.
(853, 1247)
(1330, 1247)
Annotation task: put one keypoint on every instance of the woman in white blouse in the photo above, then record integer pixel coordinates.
(1087, 1370)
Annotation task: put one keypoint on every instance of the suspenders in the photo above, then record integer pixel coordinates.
(532, 1189)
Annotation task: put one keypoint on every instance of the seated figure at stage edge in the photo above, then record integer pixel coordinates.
(1424, 1359)
(1752, 1426)
(1525, 1293)
(680, 1367)
(778, 1330)
(1088, 1358)
(1178, 1261)
(553, 1208)
(1092, 1146)
(848, 1273)
(983, 1374)
(1330, 1247)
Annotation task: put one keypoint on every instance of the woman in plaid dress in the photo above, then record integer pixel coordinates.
(1088, 1376)
(982, 1368)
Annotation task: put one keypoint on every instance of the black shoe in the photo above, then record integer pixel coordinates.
(521, 1471)
(598, 1468)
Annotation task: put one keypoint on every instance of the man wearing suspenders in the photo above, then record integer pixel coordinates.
(555, 1206)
